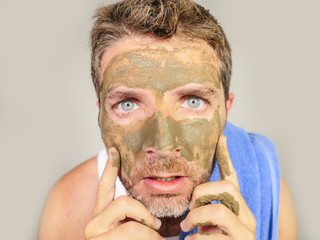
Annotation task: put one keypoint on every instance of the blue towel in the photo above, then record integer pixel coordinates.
(255, 161)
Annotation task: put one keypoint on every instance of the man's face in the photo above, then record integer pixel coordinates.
(162, 106)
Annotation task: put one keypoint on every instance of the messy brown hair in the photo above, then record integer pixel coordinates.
(162, 19)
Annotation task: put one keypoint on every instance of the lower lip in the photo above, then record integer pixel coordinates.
(165, 187)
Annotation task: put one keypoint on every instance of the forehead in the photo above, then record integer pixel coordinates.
(161, 66)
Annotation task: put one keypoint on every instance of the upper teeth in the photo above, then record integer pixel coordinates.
(165, 179)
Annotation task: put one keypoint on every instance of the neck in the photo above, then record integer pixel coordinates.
(170, 226)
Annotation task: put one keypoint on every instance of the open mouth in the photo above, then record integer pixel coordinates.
(164, 179)
(164, 184)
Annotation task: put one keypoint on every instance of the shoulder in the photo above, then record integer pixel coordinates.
(288, 224)
(70, 202)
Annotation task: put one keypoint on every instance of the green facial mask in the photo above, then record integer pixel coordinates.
(161, 71)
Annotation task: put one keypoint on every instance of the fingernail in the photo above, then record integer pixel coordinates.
(158, 223)
(183, 225)
(110, 152)
(191, 205)
(113, 154)
(224, 139)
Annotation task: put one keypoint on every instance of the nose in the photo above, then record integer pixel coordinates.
(152, 152)
(162, 137)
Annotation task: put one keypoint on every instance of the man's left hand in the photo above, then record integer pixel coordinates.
(230, 219)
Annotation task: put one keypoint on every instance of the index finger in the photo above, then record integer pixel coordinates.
(226, 169)
(107, 187)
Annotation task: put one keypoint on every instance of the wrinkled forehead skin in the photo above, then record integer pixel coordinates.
(161, 70)
(148, 67)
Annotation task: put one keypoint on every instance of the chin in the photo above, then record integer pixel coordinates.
(165, 205)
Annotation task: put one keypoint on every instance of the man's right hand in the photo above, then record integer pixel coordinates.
(122, 218)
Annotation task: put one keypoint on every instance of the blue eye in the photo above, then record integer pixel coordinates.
(127, 106)
(193, 102)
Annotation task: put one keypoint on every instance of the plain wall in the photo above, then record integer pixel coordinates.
(48, 113)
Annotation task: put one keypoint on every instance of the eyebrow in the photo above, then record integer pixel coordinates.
(120, 94)
(203, 91)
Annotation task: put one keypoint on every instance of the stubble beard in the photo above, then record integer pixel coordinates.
(166, 205)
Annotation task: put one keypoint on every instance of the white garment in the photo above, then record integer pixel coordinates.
(120, 189)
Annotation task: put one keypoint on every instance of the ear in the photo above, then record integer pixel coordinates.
(98, 104)
(230, 102)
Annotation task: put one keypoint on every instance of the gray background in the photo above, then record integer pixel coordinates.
(48, 114)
